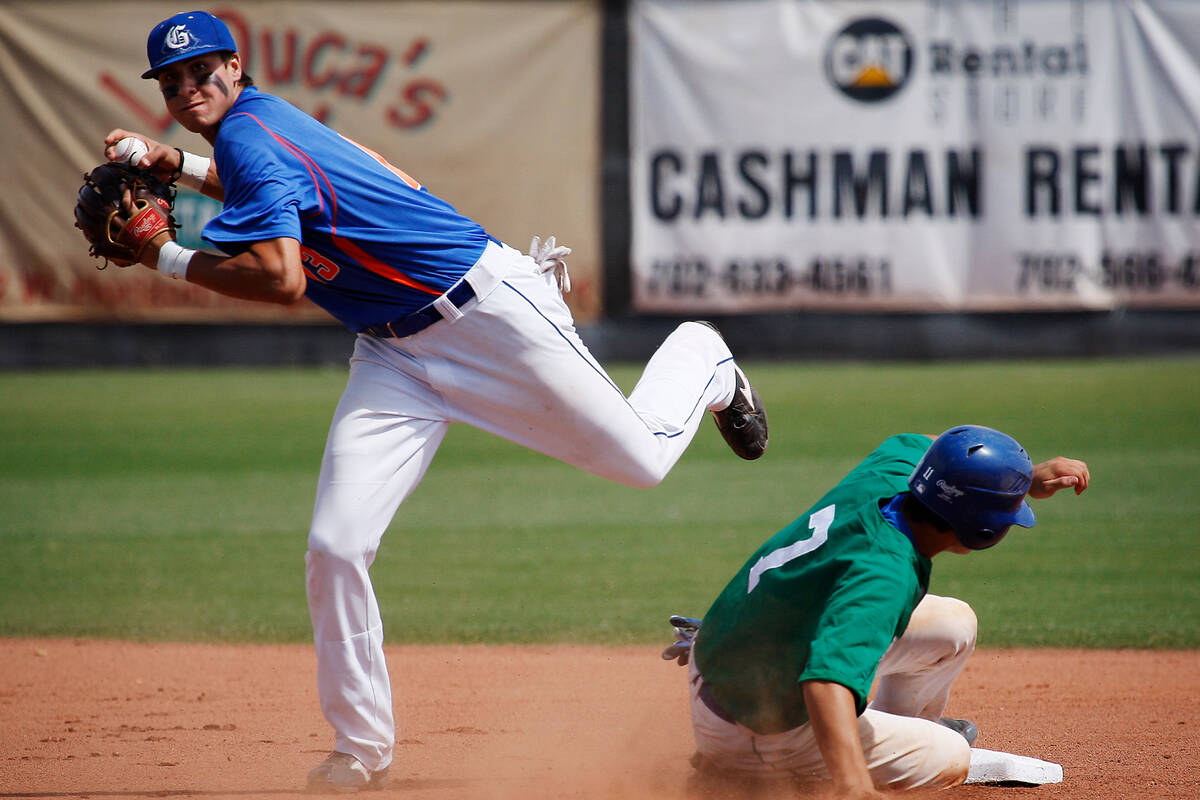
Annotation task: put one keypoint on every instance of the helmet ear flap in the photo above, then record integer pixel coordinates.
(980, 539)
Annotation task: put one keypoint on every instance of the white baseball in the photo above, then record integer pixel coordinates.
(131, 150)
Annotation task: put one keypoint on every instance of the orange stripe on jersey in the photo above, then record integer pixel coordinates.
(379, 268)
(399, 173)
(368, 261)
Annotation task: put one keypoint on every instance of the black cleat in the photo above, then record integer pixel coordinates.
(964, 727)
(744, 422)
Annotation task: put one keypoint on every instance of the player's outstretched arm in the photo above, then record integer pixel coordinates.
(1059, 473)
(270, 271)
(835, 725)
(165, 161)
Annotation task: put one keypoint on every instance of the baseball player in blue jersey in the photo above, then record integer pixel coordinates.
(453, 326)
(781, 665)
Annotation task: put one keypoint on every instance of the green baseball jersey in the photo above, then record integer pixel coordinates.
(821, 600)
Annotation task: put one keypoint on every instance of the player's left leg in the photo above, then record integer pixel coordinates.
(919, 669)
(515, 366)
(901, 752)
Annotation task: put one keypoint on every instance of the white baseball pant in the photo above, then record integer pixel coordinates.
(511, 364)
(904, 745)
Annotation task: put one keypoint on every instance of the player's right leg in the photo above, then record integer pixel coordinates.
(374, 457)
(919, 669)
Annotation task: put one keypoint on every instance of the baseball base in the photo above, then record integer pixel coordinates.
(993, 766)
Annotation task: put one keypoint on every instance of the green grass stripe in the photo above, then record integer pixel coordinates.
(174, 505)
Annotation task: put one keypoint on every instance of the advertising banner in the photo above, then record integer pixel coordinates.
(917, 156)
(491, 105)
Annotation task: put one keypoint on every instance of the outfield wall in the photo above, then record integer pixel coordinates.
(818, 336)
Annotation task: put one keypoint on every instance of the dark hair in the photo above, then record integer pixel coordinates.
(918, 512)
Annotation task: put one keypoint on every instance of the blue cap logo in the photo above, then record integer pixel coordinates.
(184, 36)
(178, 37)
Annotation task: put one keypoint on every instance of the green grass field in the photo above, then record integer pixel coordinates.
(174, 505)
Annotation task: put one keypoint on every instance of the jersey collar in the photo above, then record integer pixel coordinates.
(893, 516)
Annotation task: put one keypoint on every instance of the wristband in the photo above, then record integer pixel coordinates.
(173, 260)
(193, 170)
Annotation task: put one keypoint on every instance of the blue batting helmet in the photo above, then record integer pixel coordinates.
(975, 478)
(186, 35)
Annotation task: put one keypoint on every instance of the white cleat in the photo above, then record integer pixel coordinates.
(342, 772)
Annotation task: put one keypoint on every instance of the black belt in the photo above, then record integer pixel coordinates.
(706, 697)
(418, 321)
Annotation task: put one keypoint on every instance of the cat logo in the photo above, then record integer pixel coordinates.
(869, 60)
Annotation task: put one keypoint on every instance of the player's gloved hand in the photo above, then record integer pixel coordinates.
(549, 256)
(120, 209)
(685, 634)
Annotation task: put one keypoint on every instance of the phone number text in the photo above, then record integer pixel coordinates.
(835, 275)
(1122, 270)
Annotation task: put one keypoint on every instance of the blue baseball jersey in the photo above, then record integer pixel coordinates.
(375, 244)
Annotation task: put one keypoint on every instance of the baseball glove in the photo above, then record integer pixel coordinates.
(120, 208)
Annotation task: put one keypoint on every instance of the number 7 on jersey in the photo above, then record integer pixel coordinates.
(819, 521)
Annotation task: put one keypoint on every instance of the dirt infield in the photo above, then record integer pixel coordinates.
(103, 719)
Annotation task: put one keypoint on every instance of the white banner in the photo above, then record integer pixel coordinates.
(915, 156)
